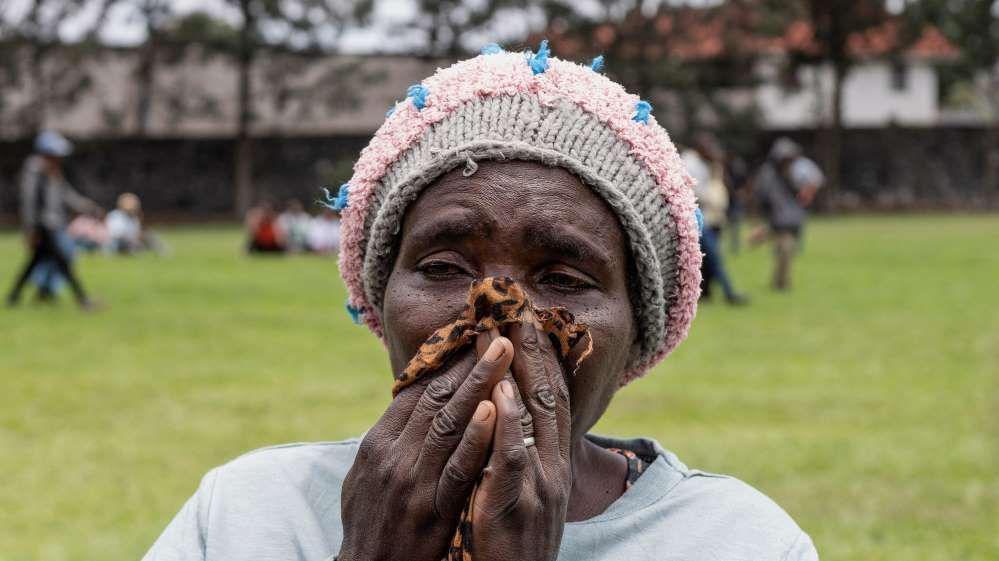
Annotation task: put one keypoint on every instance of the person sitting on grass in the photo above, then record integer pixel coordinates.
(264, 234)
(549, 178)
(324, 233)
(89, 233)
(124, 225)
(127, 233)
(294, 226)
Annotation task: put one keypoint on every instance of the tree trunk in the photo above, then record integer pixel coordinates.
(833, 144)
(990, 177)
(146, 76)
(243, 156)
(39, 106)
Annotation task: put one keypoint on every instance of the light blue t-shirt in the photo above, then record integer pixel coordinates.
(283, 503)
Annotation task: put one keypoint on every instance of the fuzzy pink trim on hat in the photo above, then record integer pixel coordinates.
(509, 74)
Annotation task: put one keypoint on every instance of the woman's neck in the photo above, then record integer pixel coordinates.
(598, 478)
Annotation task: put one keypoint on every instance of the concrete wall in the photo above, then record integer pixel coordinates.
(192, 179)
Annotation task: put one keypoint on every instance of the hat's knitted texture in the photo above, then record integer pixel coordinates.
(495, 107)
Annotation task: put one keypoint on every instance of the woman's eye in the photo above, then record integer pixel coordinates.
(440, 269)
(566, 282)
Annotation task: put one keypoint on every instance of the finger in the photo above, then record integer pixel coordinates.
(463, 468)
(534, 375)
(399, 412)
(392, 422)
(503, 477)
(483, 340)
(526, 422)
(446, 428)
(437, 391)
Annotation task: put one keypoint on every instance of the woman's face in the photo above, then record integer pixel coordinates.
(536, 224)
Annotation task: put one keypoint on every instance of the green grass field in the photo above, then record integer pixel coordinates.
(866, 402)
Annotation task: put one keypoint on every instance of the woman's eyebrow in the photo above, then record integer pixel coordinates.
(565, 242)
(451, 228)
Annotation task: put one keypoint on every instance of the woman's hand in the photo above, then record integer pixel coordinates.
(519, 509)
(417, 466)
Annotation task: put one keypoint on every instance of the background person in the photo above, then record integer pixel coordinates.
(46, 276)
(45, 194)
(262, 229)
(294, 223)
(784, 188)
(126, 230)
(89, 233)
(706, 164)
(124, 225)
(737, 180)
(324, 232)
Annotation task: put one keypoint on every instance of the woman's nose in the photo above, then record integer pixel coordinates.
(523, 280)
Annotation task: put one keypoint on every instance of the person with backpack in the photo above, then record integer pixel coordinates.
(784, 188)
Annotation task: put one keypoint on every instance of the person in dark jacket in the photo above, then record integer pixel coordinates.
(784, 189)
(45, 195)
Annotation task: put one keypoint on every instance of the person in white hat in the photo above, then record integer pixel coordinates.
(45, 194)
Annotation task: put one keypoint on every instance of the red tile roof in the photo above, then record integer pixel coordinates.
(708, 35)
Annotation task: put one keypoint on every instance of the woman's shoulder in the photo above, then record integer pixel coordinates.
(297, 462)
(281, 499)
(301, 473)
(693, 509)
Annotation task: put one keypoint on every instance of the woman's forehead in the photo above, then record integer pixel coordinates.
(525, 196)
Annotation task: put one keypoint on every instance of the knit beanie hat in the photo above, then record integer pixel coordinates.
(529, 106)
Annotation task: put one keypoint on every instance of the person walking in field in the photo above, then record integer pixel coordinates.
(706, 164)
(784, 188)
(45, 194)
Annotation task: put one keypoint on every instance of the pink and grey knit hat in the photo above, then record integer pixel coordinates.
(526, 106)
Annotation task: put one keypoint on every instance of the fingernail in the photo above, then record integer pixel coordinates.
(481, 412)
(495, 350)
(507, 389)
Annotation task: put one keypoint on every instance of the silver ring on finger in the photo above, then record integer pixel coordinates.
(529, 441)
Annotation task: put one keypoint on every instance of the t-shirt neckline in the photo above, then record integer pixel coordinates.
(656, 481)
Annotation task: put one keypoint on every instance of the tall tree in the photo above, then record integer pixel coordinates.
(680, 58)
(154, 15)
(243, 161)
(269, 24)
(972, 25)
(29, 43)
(446, 25)
(834, 23)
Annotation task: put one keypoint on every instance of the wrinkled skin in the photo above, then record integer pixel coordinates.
(417, 466)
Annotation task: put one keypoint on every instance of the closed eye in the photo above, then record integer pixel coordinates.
(440, 269)
(566, 282)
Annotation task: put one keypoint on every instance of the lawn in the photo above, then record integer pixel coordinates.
(866, 402)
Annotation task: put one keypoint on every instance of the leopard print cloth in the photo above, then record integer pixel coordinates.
(492, 302)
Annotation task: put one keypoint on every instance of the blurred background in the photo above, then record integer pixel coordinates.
(864, 400)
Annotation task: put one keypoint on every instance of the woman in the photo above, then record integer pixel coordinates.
(548, 173)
